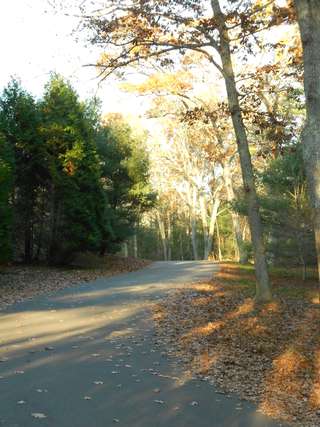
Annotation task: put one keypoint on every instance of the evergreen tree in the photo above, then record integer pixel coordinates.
(286, 211)
(70, 183)
(19, 123)
(76, 198)
(6, 191)
(125, 174)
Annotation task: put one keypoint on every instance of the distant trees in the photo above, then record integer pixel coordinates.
(69, 182)
(19, 123)
(125, 177)
(75, 196)
(203, 156)
(138, 33)
(6, 194)
(308, 15)
(286, 211)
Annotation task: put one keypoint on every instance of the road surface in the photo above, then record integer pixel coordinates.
(87, 357)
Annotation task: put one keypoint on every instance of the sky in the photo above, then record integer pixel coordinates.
(37, 41)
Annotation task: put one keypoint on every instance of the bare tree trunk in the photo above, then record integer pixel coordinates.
(308, 12)
(210, 229)
(243, 255)
(135, 241)
(204, 219)
(192, 202)
(162, 232)
(135, 245)
(181, 246)
(193, 224)
(219, 241)
(263, 289)
(244, 231)
(125, 249)
(169, 236)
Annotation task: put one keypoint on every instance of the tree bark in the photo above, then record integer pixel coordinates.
(205, 230)
(263, 289)
(125, 250)
(162, 232)
(169, 251)
(208, 229)
(135, 245)
(243, 255)
(219, 241)
(181, 246)
(135, 241)
(308, 12)
(192, 203)
(193, 224)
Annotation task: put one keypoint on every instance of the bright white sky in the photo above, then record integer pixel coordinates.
(36, 41)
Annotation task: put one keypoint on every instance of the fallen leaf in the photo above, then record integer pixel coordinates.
(39, 415)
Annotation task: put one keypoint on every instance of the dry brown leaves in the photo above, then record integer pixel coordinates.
(268, 354)
(21, 282)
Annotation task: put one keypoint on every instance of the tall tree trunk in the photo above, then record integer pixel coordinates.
(189, 249)
(263, 289)
(135, 246)
(125, 249)
(308, 12)
(210, 228)
(243, 255)
(169, 235)
(219, 241)
(204, 220)
(203, 210)
(181, 246)
(135, 241)
(162, 232)
(194, 242)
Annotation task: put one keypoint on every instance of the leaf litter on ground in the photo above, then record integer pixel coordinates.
(268, 354)
(20, 282)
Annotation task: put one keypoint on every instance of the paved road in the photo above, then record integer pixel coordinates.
(86, 357)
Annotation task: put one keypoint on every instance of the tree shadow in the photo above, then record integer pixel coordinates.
(267, 354)
(90, 363)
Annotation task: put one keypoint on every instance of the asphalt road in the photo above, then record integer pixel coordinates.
(87, 357)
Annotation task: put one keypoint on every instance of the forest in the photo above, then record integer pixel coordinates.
(237, 92)
(219, 174)
(207, 192)
(71, 182)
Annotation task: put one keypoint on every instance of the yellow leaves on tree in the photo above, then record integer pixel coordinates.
(173, 83)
